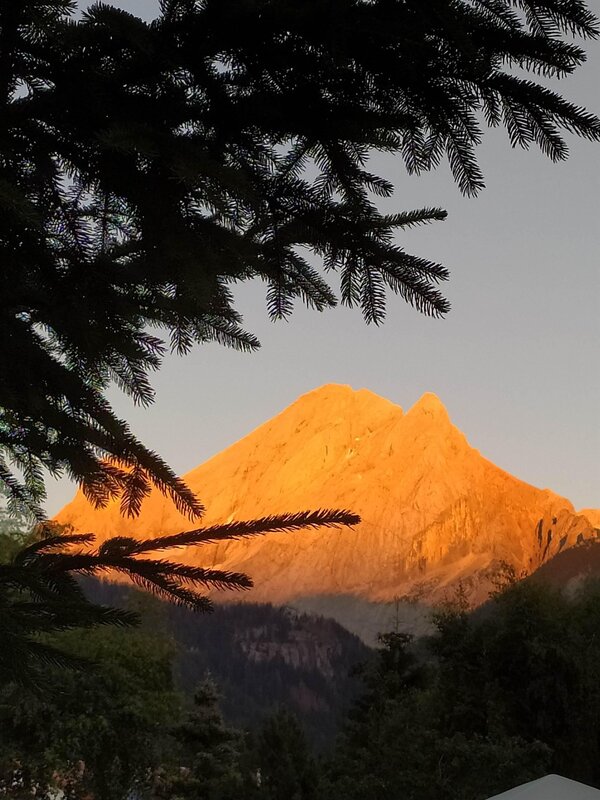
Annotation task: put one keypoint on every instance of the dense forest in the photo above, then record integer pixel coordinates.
(262, 657)
(187, 708)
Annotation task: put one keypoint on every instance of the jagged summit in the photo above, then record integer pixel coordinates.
(333, 390)
(434, 511)
(429, 404)
(340, 396)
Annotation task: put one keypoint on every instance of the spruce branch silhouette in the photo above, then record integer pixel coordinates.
(41, 594)
(140, 180)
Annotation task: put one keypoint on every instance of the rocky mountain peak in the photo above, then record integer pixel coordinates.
(434, 511)
(430, 405)
(332, 398)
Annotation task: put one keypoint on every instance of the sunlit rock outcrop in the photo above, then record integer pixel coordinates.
(435, 512)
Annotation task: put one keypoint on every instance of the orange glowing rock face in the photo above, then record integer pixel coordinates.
(434, 511)
(593, 514)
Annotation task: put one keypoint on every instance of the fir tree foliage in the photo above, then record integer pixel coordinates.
(211, 752)
(41, 594)
(99, 733)
(15, 529)
(395, 742)
(286, 768)
(493, 698)
(146, 168)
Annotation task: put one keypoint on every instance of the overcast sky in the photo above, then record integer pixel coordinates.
(515, 363)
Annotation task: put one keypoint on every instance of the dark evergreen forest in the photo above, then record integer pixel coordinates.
(260, 702)
(262, 657)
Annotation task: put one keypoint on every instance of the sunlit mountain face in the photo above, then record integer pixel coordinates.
(435, 513)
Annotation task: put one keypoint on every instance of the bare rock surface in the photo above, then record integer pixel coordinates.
(436, 514)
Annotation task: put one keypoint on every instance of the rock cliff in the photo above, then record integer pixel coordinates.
(435, 512)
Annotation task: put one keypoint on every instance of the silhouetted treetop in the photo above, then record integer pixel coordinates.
(145, 168)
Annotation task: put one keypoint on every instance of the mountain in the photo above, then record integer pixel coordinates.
(593, 514)
(262, 657)
(572, 566)
(435, 512)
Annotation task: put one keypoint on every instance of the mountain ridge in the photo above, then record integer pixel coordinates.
(435, 512)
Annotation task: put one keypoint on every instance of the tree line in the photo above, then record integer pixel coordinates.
(491, 699)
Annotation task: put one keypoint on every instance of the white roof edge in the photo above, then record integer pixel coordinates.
(550, 787)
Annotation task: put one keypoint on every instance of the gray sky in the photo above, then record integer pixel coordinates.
(515, 362)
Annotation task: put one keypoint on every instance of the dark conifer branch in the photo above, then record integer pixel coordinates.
(40, 591)
(144, 168)
(323, 518)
